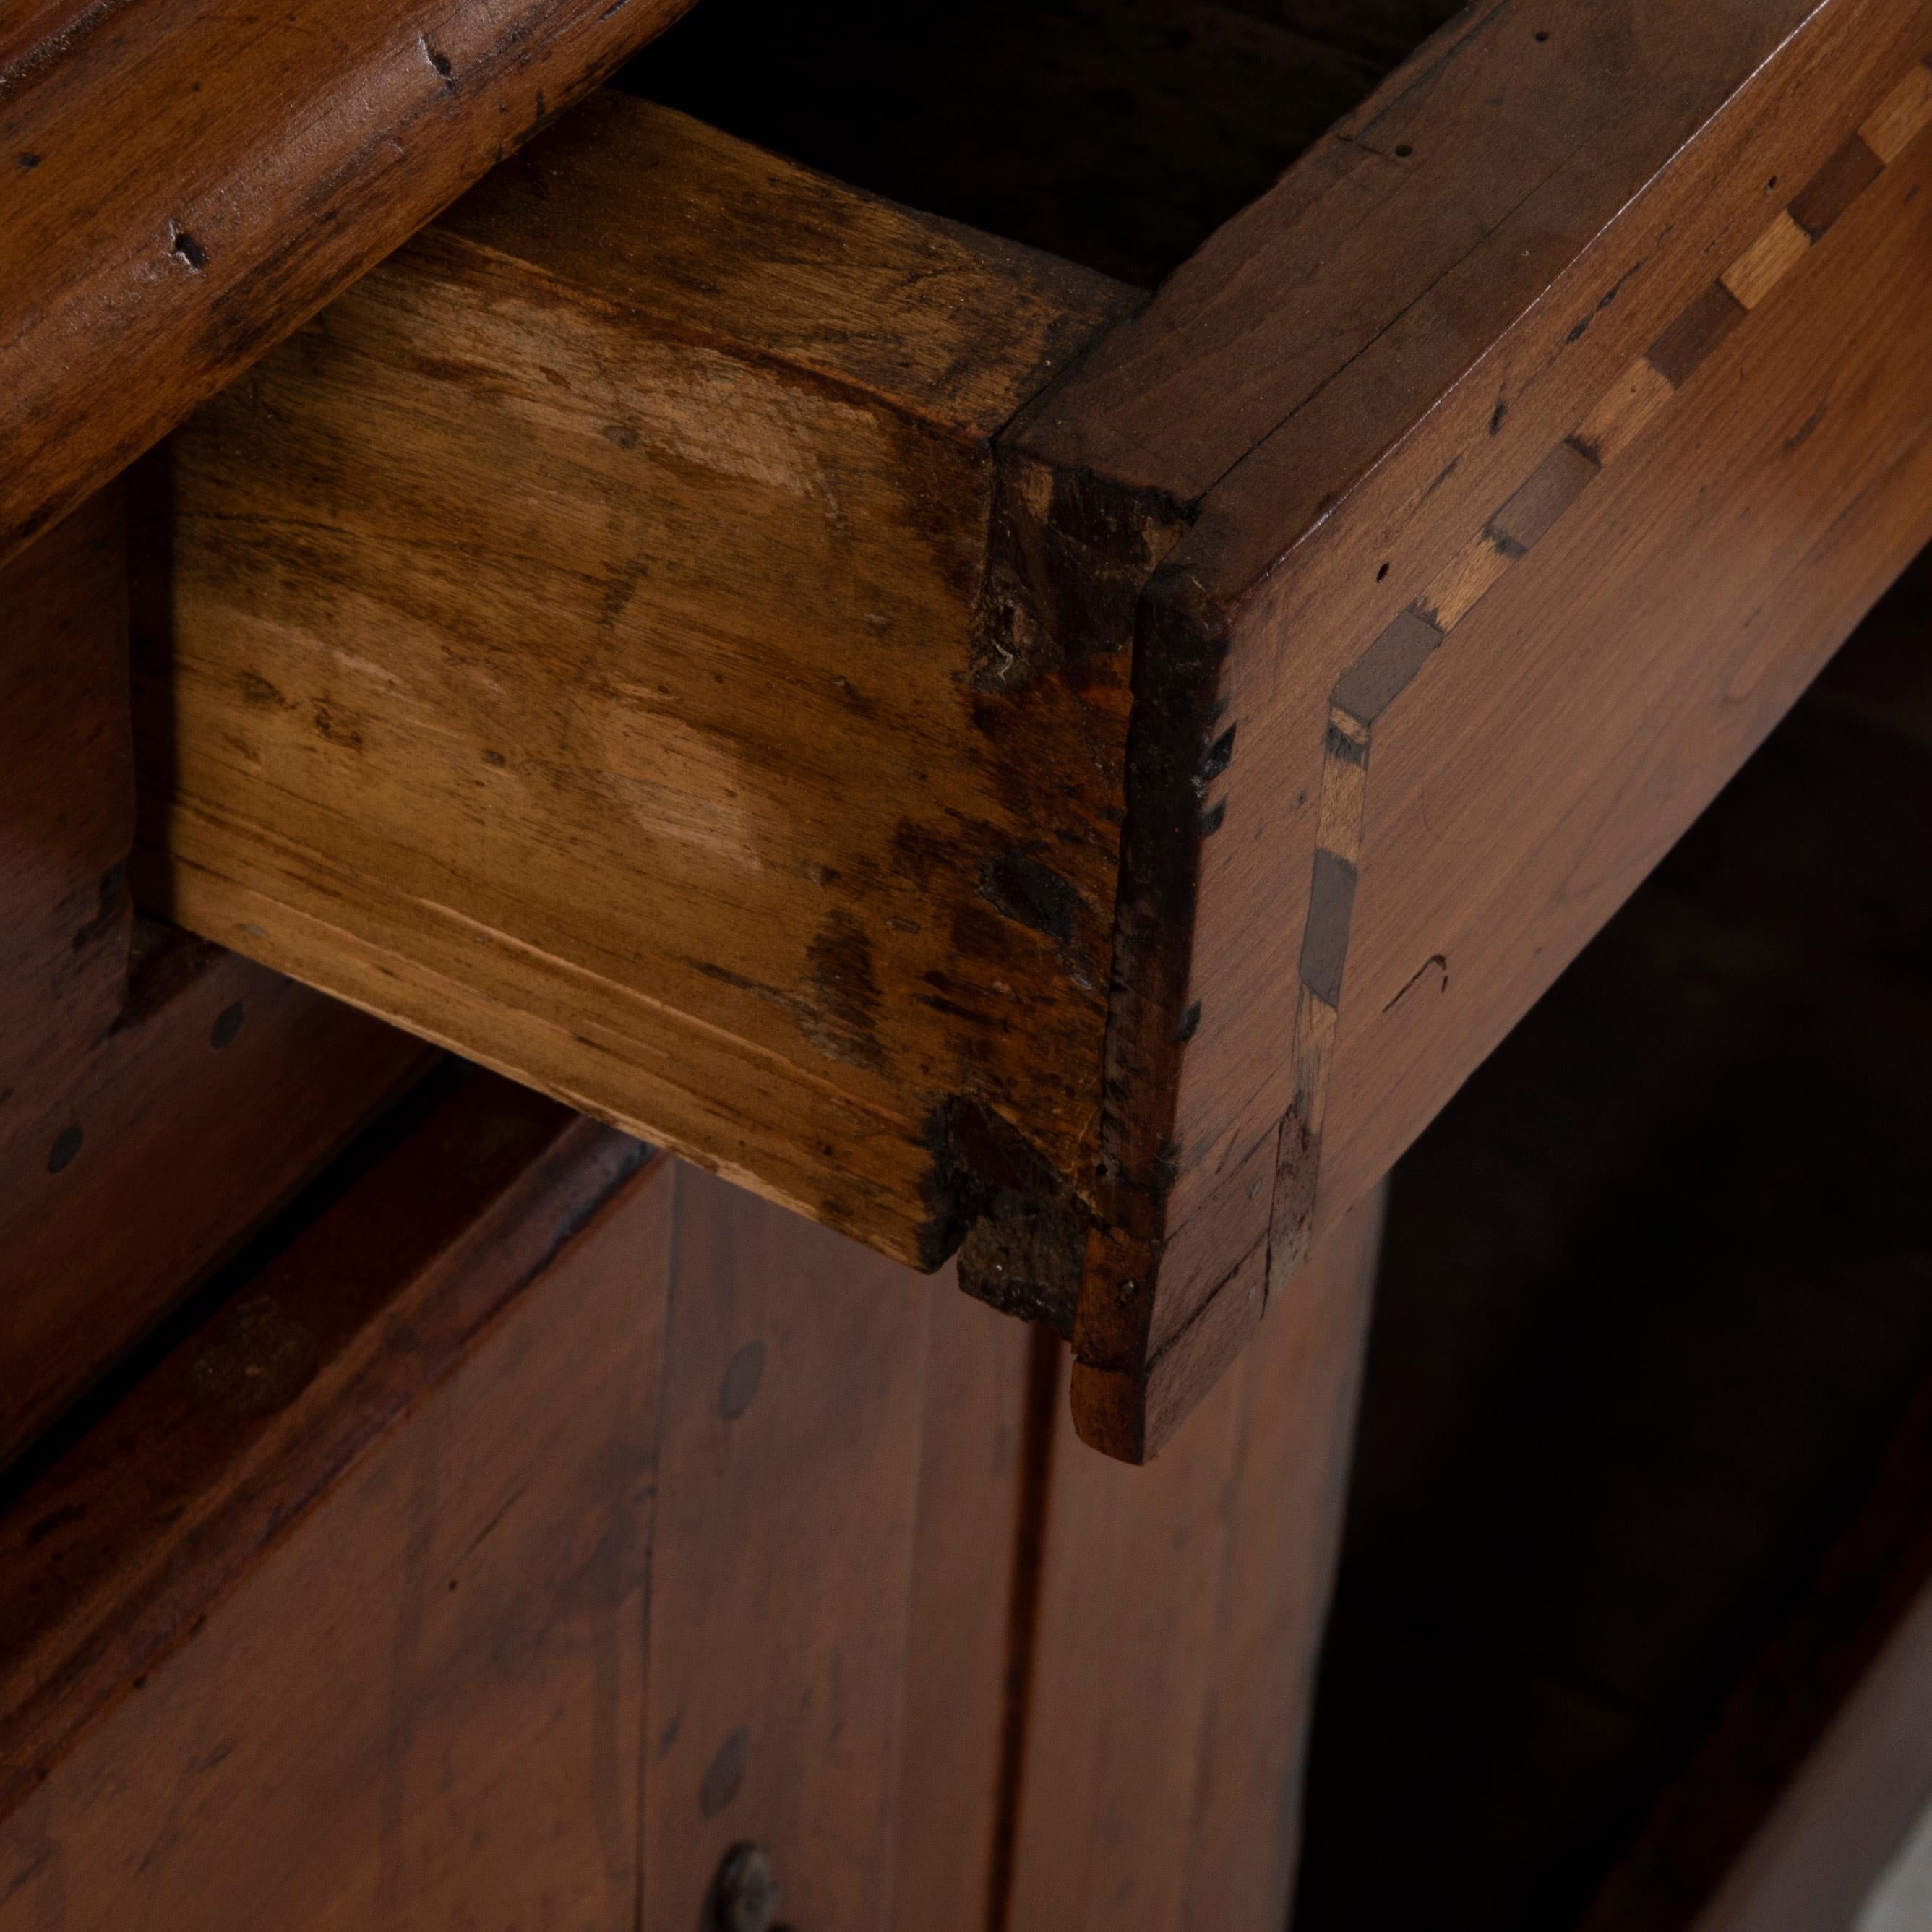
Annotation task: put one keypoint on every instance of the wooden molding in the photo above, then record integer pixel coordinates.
(184, 186)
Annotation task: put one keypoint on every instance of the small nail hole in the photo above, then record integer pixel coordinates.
(1381, 573)
(1542, 34)
(66, 1145)
(1403, 150)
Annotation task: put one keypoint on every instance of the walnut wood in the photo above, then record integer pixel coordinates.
(158, 1098)
(1473, 440)
(1181, 1611)
(788, 1492)
(218, 1090)
(1403, 579)
(987, 1427)
(534, 1524)
(352, 1639)
(684, 778)
(184, 185)
(576, 1512)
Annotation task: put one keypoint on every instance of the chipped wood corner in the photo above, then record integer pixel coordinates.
(1070, 555)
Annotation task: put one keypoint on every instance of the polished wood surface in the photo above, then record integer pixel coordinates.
(183, 185)
(1181, 1611)
(351, 1640)
(533, 1524)
(1639, 562)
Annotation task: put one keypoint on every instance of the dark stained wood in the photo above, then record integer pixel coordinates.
(1325, 317)
(1289, 1486)
(1259, 695)
(568, 775)
(332, 1619)
(1181, 1609)
(182, 186)
(66, 801)
(157, 1098)
(219, 1090)
(974, 1550)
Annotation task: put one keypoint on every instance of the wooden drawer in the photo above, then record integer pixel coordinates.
(988, 758)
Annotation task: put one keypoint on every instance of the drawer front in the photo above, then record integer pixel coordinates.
(1488, 608)
(984, 760)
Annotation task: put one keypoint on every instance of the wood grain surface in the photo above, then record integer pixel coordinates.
(572, 648)
(351, 1638)
(1646, 512)
(183, 184)
(158, 1097)
(1103, 841)
(1181, 1611)
(525, 1525)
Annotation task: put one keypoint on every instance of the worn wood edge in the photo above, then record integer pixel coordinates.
(1188, 607)
(667, 163)
(267, 1399)
(251, 914)
(183, 317)
(925, 1177)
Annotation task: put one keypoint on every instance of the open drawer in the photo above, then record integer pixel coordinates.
(996, 761)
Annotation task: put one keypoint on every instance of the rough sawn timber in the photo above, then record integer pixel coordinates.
(698, 775)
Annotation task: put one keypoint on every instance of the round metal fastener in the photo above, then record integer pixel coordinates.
(746, 1892)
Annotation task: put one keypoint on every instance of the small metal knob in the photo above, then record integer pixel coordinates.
(744, 1895)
